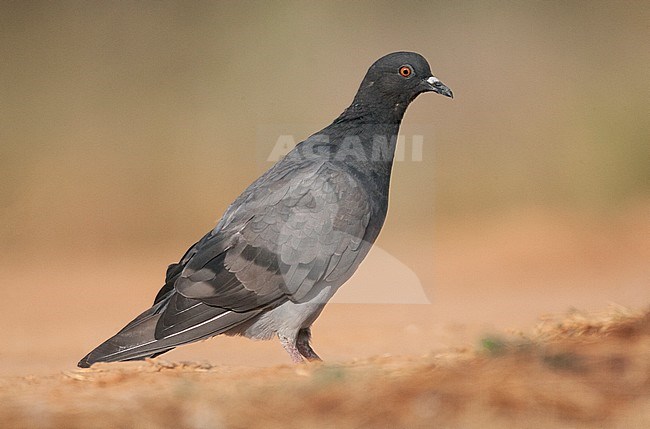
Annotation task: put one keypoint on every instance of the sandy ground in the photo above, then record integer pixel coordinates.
(580, 372)
(387, 364)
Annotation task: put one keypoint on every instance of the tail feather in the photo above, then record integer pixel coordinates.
(134, 341)
(137, 340)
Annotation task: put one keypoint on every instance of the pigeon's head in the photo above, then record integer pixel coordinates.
(398, 78)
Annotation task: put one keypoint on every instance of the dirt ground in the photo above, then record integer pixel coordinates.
(580, 372)
(476, 356)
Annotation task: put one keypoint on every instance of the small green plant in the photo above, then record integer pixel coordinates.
(494, 346)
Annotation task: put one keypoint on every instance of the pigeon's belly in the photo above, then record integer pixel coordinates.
(286, 319)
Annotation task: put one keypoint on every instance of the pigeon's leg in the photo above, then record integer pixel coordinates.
(304, 335)
(289, 345)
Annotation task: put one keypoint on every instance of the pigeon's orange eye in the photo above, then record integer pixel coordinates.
(405, 71)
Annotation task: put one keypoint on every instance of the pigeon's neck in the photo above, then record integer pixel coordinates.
(362, 142)
(367, 135)
(370, 111)
(370, 122)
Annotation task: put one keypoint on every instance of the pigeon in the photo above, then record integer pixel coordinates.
(293, 237)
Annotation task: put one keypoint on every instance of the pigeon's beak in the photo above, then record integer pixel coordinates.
(435, 85)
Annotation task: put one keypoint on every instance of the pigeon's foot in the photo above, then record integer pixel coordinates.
(303, 346)
(289, 345)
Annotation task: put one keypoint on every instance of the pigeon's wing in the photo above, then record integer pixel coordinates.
(175, 270)
(291, 231)
(276, 243)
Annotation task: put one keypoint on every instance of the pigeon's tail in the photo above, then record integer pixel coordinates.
(139, 340)
(135, 341)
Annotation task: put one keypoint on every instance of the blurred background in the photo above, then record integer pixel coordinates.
(128, 127)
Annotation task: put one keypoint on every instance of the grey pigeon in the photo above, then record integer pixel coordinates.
(293, 237)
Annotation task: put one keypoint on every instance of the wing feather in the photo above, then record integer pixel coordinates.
(277, 244)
